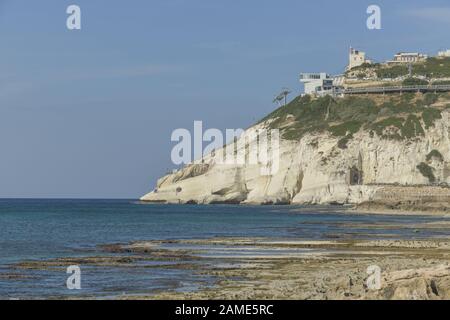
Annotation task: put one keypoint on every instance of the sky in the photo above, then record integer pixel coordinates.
(89, 113)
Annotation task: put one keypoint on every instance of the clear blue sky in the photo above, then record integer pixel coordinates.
(89, 113)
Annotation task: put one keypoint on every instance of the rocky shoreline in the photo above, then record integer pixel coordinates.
(403, 208)
(260, 268)
(410, 270)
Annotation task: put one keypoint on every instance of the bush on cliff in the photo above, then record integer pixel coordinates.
(435, 154)
(431, 68)
(414, 82)
(429, 116)
(407, 116)
(345, 128)
(427, 172)
(412, 127)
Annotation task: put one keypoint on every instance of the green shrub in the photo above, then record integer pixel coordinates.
(380, 126)
(342, 116)
(361, 75)
(414, 82)
(435, 154)
(407, 97)
(441, 82)
(427, 171)
(412, 127)
(429, 116)
(352, 126)
(362, 67)
(433, 67)
(393, 71)
(430, 98)
(342, 143)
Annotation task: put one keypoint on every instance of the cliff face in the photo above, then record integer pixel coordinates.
(315, 169)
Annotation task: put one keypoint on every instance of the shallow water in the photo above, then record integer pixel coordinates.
(45, 229)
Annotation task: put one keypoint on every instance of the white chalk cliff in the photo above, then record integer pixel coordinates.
(314, 170)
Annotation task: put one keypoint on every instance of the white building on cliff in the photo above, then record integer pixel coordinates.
(317, 83)
(444, 54)
(357, 58)
(408, 57)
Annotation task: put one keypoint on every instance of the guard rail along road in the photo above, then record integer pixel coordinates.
(400, 89)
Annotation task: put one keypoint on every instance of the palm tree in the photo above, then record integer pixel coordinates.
(282, 96)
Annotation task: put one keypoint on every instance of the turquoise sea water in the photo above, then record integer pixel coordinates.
(45, 229)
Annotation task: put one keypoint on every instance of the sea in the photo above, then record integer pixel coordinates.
(41, 230)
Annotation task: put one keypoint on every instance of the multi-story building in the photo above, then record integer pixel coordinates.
(356, 58)
(408, 57)
(444, 54)
(317, 83)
